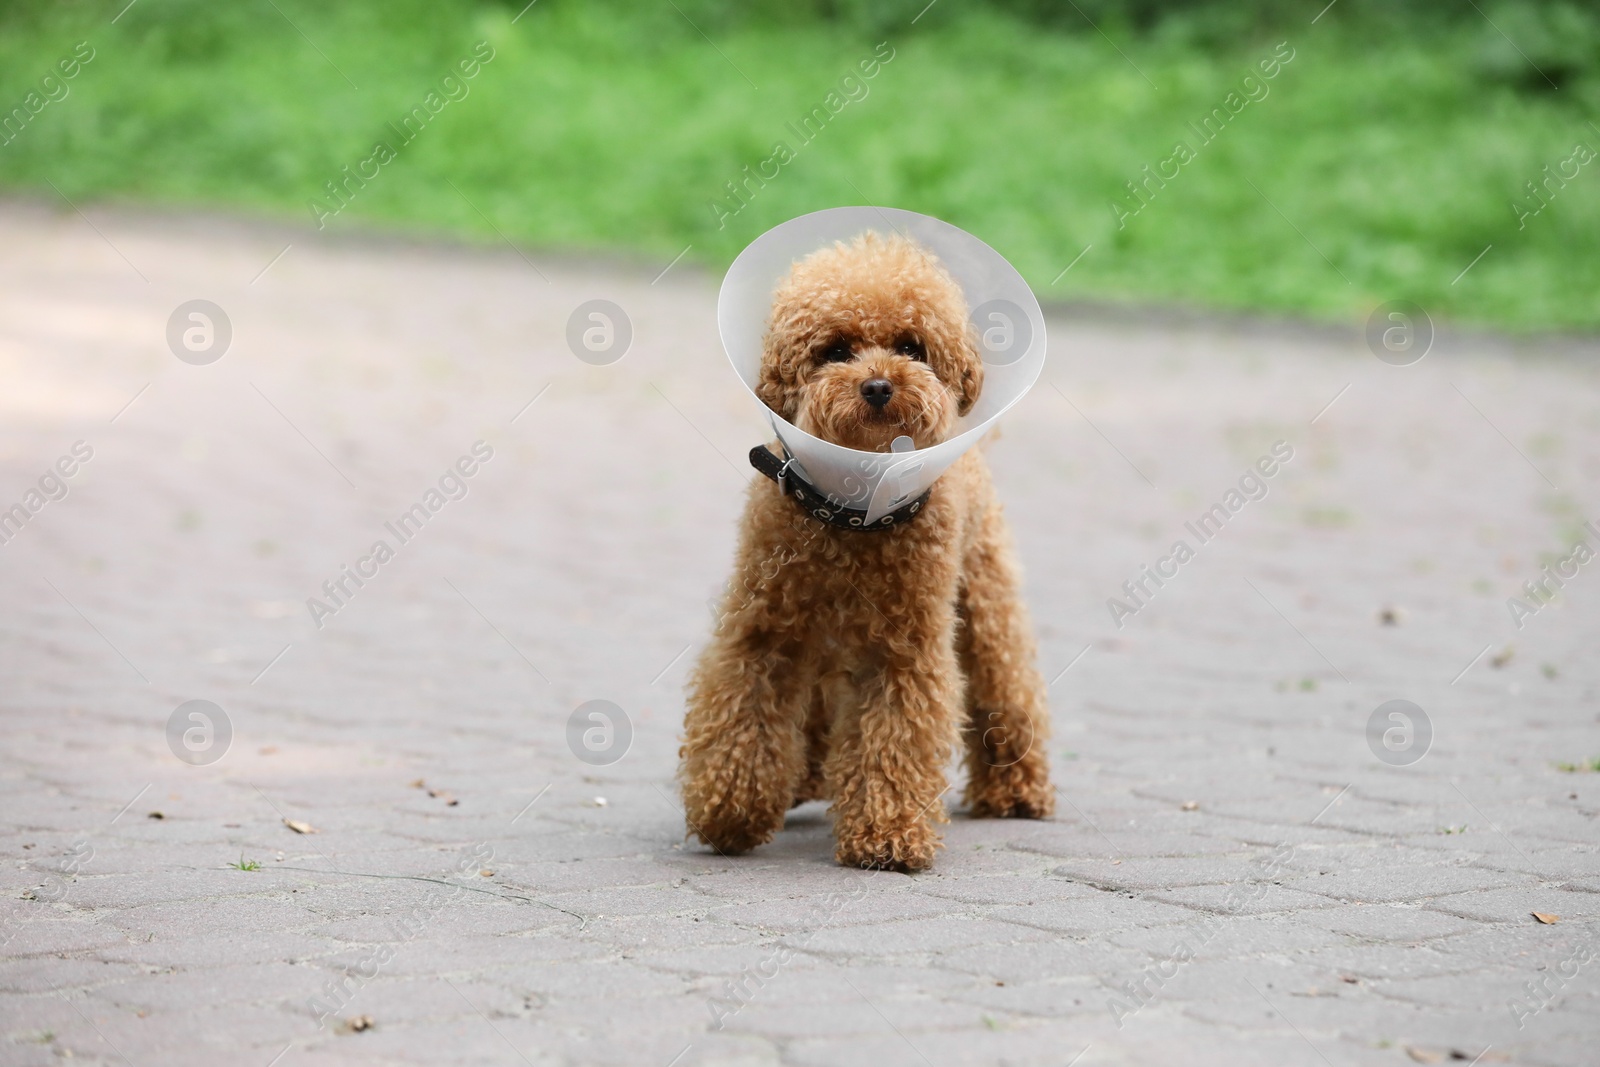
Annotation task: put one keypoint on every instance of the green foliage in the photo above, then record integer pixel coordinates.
(1382, 160)
(1539, 47)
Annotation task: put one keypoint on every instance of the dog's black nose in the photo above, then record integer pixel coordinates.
(876, 391)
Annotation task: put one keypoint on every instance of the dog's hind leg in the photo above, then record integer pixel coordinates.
(744, 749)
(813, 786)
(1008, 719)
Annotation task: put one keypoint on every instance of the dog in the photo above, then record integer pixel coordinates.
(847, 663)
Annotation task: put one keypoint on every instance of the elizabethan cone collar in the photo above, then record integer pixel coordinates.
(1009, 325)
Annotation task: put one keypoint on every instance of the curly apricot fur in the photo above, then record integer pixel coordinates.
(847, 666)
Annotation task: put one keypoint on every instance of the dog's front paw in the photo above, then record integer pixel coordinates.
(905, 851)
(732, 814)
(730, 838)
(727, 828)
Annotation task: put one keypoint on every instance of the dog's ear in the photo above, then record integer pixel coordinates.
(775, 384)
(969, 374)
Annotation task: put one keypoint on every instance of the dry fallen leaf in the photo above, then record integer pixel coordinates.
(1191, 805)
(268, 750)
(155, 815)
(357, 1023)
(1546, 918)
(1424, 1055)
(418, 784)
(299, 826)
(1501, 658)
(485, 874)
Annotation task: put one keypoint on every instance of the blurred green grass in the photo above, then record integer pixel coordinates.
(1385, 157)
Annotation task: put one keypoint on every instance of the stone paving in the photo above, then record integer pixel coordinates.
(1235, 875)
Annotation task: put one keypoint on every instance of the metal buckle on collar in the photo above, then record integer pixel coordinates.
(826, 508)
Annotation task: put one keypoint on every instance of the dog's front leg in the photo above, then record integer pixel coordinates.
(886, 767)
(744, 750)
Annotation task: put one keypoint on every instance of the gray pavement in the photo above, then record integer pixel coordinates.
(1235, 876)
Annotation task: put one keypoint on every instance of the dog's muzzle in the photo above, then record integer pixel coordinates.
(827, 509)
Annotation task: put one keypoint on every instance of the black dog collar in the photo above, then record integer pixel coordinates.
(820, 507)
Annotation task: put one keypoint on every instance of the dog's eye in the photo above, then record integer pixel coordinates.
(837, 352)
(911, 347)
